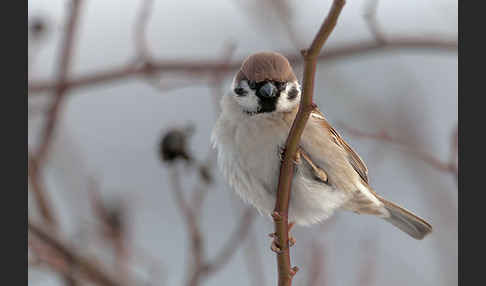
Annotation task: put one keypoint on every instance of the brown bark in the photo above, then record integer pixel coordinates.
(280, 215)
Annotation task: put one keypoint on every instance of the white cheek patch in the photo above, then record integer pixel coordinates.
(286, 104)
(248, 102)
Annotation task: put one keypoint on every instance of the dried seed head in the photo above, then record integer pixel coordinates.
(174, 143)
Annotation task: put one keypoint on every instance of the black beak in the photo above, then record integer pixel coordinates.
(267, 91)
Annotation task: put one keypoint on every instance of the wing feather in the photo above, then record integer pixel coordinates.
(353, 158)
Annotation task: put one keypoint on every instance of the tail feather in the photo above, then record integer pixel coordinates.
(415, 226)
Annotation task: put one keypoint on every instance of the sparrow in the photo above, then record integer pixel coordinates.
(329, 175)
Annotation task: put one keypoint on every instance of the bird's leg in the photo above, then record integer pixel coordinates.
(281, 152)
(281, 155)
(274, 246)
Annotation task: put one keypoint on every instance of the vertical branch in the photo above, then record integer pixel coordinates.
(284, 11)
(372, 22)
(63, 69)
(201, 266)
(114, 230)
(141, 44)
(38, 189)
(280, 214)
(192, 227)
(233, 241)
(37, 160)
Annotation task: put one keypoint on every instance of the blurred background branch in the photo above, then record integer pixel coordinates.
(449, 167)
(90, 269)
(199, 68)
(201, 266)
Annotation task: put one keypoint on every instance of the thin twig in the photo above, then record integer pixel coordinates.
(37, 160)
(141, 43)
(216, 85)
(372, 22)
(41, 198)
(280, 214)
(113, 226)
(61, 86)
(447, 167)
(44, 255)
(195, 235)
(89, 268)
(144, 55)
(209, 68)
(232, 243)
(201, 267)
(284, 11)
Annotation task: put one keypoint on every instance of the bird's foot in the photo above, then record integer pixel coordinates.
(281, 155)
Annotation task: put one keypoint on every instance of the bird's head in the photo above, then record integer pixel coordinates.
(266, 83)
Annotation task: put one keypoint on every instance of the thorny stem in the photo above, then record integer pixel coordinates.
(280, 214)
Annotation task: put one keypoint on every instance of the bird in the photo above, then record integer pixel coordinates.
(250, 134)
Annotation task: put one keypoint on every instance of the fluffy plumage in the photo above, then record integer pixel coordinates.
(329, 174)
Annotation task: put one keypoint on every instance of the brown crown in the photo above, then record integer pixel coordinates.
(266, 66)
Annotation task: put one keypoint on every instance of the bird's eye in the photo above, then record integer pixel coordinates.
(252, 84)
(240, 91)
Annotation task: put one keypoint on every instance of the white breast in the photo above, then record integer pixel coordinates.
(248, 156)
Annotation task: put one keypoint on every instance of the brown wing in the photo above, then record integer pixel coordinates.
(353, 158)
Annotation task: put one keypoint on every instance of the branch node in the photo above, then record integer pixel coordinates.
(277, 216)
(293, 271)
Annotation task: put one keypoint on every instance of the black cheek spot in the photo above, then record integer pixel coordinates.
(240, 91)
(292, 94)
